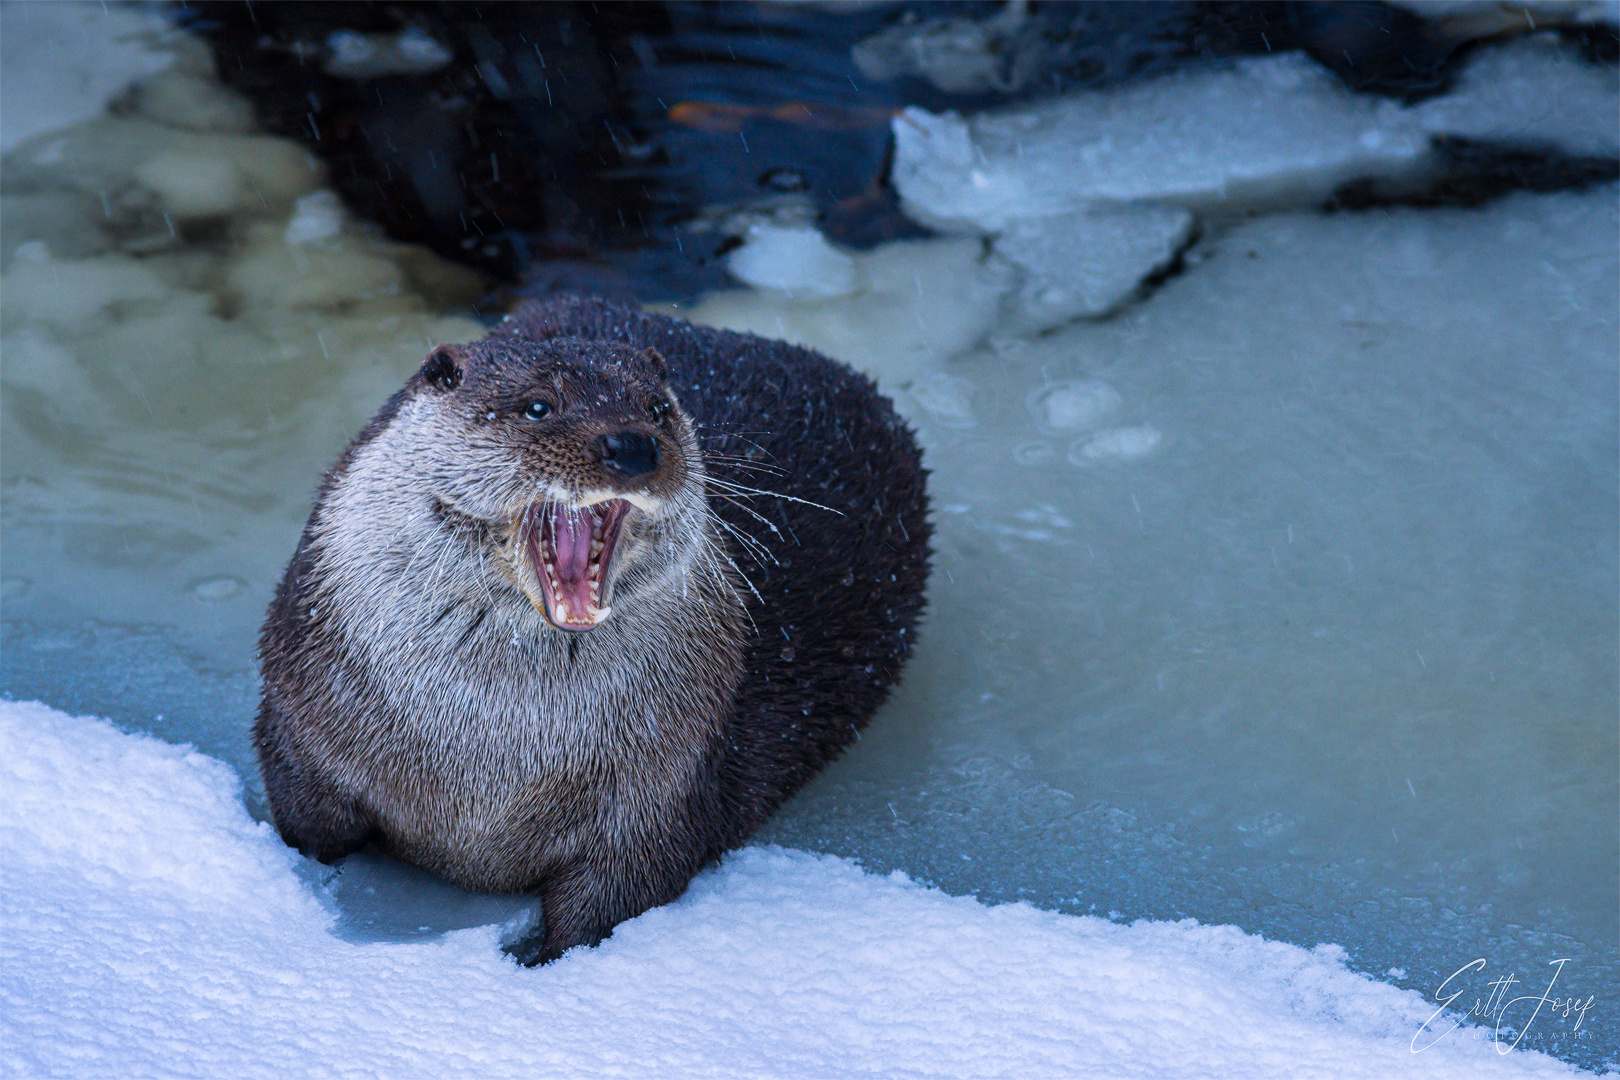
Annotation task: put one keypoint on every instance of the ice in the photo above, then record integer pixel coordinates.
(1532, 93)
(1089, 263)
(62, 63)
(1341, 519)
(1260, 132)
(909, 303)
(315, 218)
(1086, 196)
(367, 56)
(796, 261)
(168, 402)
(1263, 131)
(958, 55)
(154, 929)
(1576, 11)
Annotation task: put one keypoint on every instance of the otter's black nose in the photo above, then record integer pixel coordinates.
(628, 453)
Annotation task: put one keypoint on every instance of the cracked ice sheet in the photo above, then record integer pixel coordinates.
(1262, 132)
(154, 930)
(1087, 196)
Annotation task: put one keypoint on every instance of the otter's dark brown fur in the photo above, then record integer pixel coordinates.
(426, 689)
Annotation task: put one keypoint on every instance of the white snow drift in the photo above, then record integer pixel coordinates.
(154, 930)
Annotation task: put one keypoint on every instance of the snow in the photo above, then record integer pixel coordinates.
(153, 929)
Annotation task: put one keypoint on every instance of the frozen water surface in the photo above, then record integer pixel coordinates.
(1283, 597)
(1334, 657)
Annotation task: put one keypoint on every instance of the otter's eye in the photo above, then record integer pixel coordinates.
(537, 410)
(658, 410)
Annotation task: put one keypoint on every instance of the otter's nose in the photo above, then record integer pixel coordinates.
(628, 453)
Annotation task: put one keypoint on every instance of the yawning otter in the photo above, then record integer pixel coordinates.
(584, 603)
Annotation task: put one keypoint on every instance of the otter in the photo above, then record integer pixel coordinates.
(584, 603)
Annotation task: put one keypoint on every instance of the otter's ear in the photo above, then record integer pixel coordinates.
(443, 368)
(656, 359)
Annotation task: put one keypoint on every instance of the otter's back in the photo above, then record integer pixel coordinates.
(840, 557)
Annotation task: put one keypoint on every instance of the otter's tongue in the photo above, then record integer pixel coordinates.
(571, 548)
(571, 542)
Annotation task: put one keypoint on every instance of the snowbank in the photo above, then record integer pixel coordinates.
(154, 929)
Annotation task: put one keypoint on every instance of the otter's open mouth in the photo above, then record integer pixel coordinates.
(571, 548)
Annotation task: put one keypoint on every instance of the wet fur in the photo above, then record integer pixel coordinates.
(414, 696)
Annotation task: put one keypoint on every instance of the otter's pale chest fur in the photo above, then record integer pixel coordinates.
(481, 733)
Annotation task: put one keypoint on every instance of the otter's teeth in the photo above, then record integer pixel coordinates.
(570, 553)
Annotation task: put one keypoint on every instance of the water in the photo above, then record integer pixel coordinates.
(1285, 597)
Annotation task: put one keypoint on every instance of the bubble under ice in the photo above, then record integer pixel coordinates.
(1330, 656)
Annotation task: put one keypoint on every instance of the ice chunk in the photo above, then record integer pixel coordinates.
(61, 63)
(131, 166)
(68, 294)
(1266, 131)
(959, 55)
(1086, 264)
(916, 302)
(192, 185)
(1540, 12)
(1533, 91)
(368, 56)
(187, 100)
(315, 218)
(796, 261)
(1270, 130)
(1086, 196)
